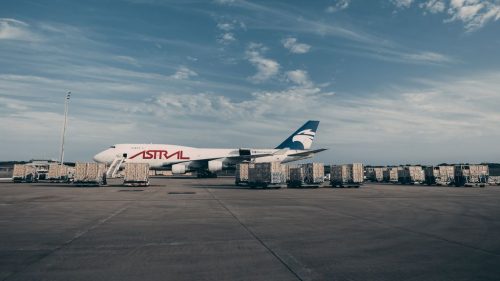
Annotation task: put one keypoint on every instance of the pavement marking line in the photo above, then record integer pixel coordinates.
(288, 267)
(68, 242)
(416, 232)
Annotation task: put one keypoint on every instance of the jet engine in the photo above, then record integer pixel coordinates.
(179, 169)
(214, 166)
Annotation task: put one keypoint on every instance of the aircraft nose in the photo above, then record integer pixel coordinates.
(99, 157)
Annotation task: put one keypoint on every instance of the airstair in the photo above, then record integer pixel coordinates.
(114, 167)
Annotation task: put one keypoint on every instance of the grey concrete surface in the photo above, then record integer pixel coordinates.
(222, 232)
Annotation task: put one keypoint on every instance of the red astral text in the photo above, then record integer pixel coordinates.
(160, 154)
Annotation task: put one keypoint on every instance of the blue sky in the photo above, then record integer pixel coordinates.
(392, 81)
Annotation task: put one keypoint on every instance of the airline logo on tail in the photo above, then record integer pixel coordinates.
(305, 137)
(302, 138)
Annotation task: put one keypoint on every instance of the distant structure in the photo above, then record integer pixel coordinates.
(63, 133)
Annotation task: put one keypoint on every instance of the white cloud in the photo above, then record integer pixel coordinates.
(338, 6)
(227, 28)
(398, 125)
(299, 77)
(11, 29)
(266, 68)
(260, 105)
(433, 6)
(183, 73)
(226, 38)
(402, 3)
(388, 126)
(435, 110)
(294, 46)
(474, 13)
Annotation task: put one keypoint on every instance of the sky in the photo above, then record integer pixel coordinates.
(391, 81)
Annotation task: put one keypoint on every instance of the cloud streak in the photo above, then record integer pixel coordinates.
(11, 29)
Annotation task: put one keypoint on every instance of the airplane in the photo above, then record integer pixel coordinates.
(207, 161)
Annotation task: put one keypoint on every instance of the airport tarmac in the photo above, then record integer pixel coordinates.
(208, 229)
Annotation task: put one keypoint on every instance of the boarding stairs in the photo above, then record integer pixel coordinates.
(114, 167)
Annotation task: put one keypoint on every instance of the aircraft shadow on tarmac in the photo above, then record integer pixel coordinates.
(219, 186)
(222, 186)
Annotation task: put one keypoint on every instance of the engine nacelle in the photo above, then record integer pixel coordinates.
(214, 166)
(179, 169)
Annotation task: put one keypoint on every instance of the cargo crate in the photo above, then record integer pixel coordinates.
(136, 174)
(314, 173)
(471, 175)
(411, 175)
(266, 175)
(59, 173)
(90, 174)
(378, 174)
(347, 175)
(494, 180)
(241, 174)
(24, 173)
(439, 175)
(296, 176)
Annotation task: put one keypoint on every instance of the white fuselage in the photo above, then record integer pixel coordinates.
(160, 156)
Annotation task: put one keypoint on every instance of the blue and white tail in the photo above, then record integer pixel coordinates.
(302, 138)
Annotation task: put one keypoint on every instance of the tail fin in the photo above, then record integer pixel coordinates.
(302, 138)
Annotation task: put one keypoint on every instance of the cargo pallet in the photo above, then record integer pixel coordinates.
(136, 183)
(299, 184)
(347, 185)
(16, 180)
(89, 183)
(266, 185)
(240, 183)
(411, 182)
(59, 180)
(474, 184)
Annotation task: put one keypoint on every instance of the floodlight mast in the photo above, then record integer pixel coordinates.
(63, 133)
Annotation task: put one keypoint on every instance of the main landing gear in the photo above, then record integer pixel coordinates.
(205, 174)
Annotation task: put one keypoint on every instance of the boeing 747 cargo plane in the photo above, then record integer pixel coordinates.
(207, 161)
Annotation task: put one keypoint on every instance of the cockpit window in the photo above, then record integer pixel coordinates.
(112, 146)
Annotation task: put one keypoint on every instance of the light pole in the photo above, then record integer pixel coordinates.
(63, 133)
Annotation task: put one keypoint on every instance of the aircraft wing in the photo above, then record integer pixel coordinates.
(308, 153)
(248, 157)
